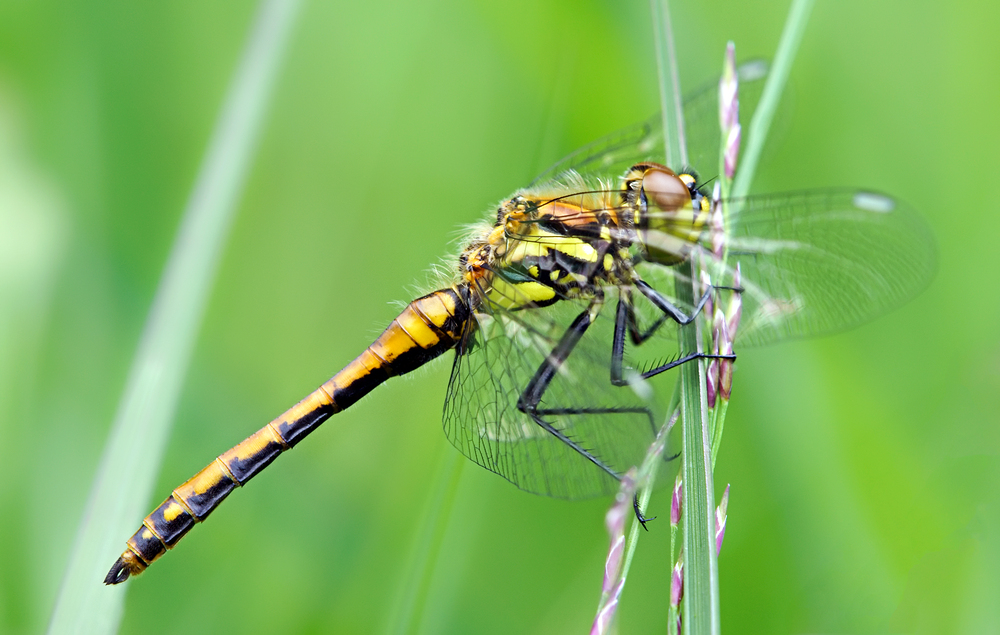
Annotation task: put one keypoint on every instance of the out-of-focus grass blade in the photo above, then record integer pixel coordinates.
(127, 471)
(760, 124)
(406, 612)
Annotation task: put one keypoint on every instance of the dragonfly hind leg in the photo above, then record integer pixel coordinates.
(531, 397)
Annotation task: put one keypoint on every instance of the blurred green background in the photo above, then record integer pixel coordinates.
(864, 466)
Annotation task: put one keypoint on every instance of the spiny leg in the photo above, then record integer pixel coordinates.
(626, 320)
(665, 305)
(535, 390)
(636, 334)
(638, 512)
(532, 395)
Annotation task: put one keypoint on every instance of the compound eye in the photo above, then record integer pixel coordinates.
(690, 178)
(664, 189)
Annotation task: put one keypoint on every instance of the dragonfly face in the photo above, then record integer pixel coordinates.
(564, 310)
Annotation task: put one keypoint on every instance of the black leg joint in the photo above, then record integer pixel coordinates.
(638, 512)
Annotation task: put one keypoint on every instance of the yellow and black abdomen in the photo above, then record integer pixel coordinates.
(425, 329)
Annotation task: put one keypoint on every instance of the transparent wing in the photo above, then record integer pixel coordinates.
(497, 363)
(825, 261)
(701, 118)
(609, 155)
(615, 153)
(822, 261)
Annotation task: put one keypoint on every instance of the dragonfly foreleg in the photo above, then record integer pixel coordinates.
(625, 318)
(668, 310)
(665, 305)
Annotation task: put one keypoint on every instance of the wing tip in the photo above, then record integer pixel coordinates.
(873, 202)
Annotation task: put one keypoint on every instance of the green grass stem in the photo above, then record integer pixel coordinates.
(701, 584)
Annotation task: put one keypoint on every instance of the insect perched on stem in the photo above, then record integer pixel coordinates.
(562, 311)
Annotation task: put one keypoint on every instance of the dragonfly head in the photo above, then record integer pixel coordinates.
(668, 210)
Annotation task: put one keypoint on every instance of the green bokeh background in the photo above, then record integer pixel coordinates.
(864, 467)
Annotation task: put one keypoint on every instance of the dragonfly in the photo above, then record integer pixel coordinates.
(563, 314)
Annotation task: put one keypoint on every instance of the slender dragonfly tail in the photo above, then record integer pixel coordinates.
(425, 329)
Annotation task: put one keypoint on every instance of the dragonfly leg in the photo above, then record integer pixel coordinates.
(533, 393)
(636, 334)
(638, 512)
(625, 318)
(665, 305)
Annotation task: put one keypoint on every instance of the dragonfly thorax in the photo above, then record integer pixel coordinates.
(553, 245)
(568, 240)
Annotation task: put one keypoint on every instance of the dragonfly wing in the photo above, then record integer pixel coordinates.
(612, 154)
(617, 152)
(493, 368)
(823, 261)
(702, 132)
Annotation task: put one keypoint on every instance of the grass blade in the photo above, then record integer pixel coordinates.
(127, 471)
(670, 86)
(406, 613)
(760, 124)
(701, 578)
